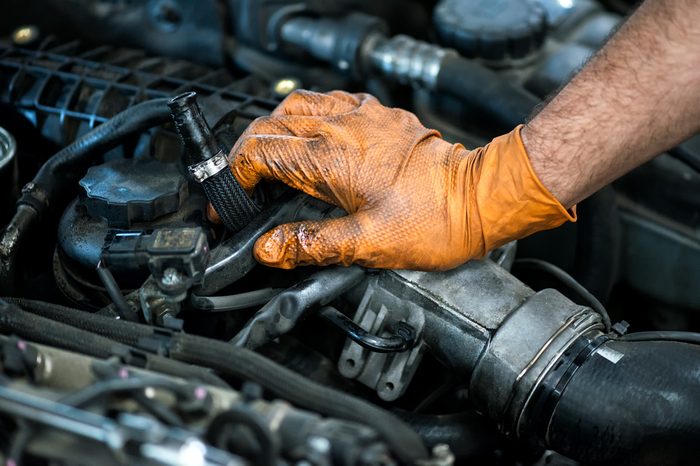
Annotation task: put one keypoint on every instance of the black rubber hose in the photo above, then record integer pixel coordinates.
(240, 363)
(60, 170)
(105, 388)
(115, 294)
(491, 94)
(230, 201)
(96, 335)
(682, 337)
(40, 329)
(631, 403)
(470, 435)
(598, 242)
(124, 332)
(234, 302)
(403, 339)
(244, 364)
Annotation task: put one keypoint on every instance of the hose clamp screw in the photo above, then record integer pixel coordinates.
(208, 168)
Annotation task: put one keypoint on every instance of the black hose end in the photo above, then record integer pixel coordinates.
(209, 165)
(192, 127)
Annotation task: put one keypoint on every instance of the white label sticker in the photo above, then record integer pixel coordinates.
(610, 354)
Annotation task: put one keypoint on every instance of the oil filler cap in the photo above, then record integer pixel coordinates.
(493, 30)
(129, 191)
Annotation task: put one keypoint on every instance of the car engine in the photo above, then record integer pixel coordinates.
(136, 330)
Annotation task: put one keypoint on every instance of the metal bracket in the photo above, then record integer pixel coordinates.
(388, 373)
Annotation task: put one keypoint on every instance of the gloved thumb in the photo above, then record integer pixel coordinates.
(324, 242)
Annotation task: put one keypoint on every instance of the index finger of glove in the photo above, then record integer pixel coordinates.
(309, 103)
(288, 159)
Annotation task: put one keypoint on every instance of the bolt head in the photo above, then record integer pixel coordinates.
(24, 35)
(286, 85)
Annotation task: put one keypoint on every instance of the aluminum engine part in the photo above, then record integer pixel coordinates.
(479, 321)
(388, 373)
(408, 60)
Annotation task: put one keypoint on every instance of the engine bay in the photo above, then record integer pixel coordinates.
(137, 329)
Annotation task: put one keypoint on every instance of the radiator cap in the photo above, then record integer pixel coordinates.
(494, 30)
(129, 191)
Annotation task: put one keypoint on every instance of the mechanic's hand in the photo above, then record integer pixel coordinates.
(413, 200)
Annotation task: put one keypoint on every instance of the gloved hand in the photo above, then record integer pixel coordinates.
(414, 201)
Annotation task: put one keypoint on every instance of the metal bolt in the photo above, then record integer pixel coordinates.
(171, 277)
(25, 34)
(442, 455)
(286, 85)
(320, 444)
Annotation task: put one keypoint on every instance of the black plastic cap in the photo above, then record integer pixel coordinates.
(494, 30)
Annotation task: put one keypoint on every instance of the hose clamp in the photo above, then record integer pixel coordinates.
(203, 170)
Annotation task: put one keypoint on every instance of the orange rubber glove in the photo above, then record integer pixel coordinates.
(414, 201)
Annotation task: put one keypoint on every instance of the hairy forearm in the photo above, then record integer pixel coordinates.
(639, 96)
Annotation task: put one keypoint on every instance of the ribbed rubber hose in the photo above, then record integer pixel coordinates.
(97, 336)
(59, 170)
(239, 363)
(244, 364)
(642, 409)
(230, 201)
(107, 136)
(127, 333)
(42, 330)
(235, 208)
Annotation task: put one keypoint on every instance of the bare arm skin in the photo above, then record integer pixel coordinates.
(639, 96)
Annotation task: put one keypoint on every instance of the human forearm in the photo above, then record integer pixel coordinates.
(639, 96)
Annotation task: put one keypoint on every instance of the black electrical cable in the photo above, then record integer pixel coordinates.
(158, 410)
(18, 443)
(234, 302)
(404, 338)
(570, 282)
(239, 363)
(106, 388)
(107, 370)
(115, 294)
(268, 446)
(681, 337)
(60, 170)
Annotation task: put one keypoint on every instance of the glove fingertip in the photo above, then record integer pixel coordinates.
(276, 249)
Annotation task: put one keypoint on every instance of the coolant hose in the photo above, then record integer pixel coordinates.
(58, 171)
(223, 357)
(489, 93)
(631, 403)
(56, 325)
(469, 435)
(208, 164)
